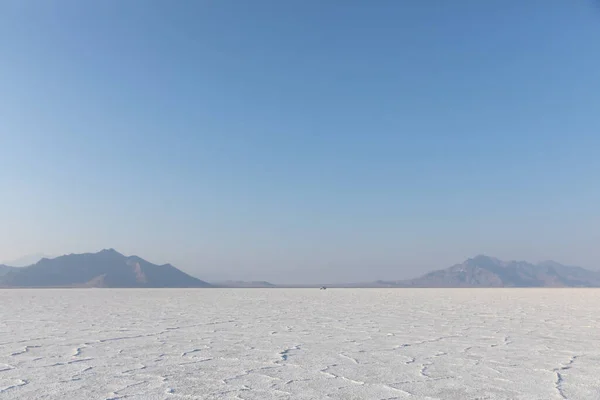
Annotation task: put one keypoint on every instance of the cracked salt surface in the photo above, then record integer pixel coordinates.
(300, 344)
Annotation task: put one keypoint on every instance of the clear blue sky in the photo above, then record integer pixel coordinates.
(301, 140)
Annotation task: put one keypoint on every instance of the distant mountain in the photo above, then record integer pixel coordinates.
(244, 284)
(107, 268)
(111, 269)
(483, 271)
(26, 260)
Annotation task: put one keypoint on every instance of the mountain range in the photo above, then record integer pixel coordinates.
(111, 269)
(107, 268)
(484, 271)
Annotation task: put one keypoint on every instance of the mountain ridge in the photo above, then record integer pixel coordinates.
(484, 271)
(110, 269)
(26, 260)
(107, 268)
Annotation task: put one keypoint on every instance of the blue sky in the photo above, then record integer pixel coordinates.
(301, 140)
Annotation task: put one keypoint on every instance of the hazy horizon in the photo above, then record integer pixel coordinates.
(300, 142)
(216, 278)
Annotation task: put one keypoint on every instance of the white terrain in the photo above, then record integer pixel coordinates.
(300, 344)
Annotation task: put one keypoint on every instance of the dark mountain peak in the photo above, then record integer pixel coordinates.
(109, 252)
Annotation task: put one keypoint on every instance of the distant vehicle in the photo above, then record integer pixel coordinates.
(323, 288)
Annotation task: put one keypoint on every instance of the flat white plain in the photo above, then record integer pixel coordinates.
(300, 344)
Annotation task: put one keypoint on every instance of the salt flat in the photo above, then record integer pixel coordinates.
(300, 344)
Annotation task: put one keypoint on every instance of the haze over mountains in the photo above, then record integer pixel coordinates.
(111, 269)
(26, 260)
